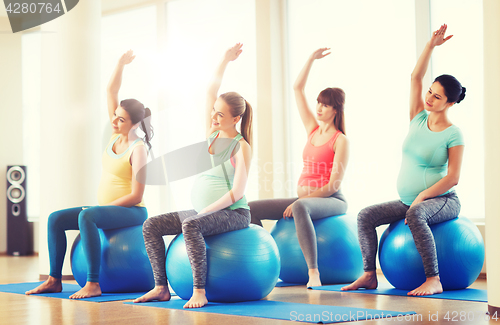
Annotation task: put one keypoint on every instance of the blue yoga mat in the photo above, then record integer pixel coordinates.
(387, 289)
(284, 310)
(68, 290)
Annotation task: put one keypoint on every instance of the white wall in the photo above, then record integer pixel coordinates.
(492, 142)
(11, 140)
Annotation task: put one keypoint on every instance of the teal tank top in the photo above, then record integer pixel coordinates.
(425, 157)
(213, 184)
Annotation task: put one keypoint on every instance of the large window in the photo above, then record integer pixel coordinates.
(195, 43)
(176, 57)
(462, 57)
(136, 30)
(373, 54)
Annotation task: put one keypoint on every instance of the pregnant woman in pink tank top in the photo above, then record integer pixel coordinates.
(325, 160)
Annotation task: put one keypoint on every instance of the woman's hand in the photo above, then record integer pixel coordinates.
(306, 115)
(419, 199)
(288, 212)
(127, 57)
(438, 37)
(320, 53)
(234, 52)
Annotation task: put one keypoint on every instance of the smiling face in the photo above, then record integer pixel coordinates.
(221, 116)
(325, 113)
(121, 122)
(435, 98)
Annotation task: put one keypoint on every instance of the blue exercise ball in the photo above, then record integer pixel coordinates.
(242, 265)
(339, 255)
(460, 254)
(125, 265)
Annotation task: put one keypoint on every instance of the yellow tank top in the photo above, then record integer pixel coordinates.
(116, 179)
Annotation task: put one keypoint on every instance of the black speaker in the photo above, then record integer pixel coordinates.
(19, 230)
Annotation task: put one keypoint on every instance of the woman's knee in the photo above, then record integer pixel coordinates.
(254, 206)
(151, 226)
(300, 209)
(365, 216)
(86, 216)
(417, 219)
(189, 225)
(57, 218)
(415, 215)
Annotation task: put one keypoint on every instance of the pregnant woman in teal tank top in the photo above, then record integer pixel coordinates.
(218, 194)
(430, 169)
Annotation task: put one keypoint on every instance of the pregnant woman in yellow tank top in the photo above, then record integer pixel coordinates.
(119, 194)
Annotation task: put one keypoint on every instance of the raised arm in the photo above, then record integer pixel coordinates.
(416, 101)
(305, 112)
(116, 81)
(231, 54)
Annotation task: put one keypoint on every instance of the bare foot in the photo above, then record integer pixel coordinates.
(367, 280)
(314, 280)
(91, 289)
(429, 287)
(51, 285)
(160, 293)
(199, 299)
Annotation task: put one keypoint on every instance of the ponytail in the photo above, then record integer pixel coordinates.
(140, 114)
(240, 107)
(147, 128)
(246, 123)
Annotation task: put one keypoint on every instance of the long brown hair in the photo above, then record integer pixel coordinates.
(240, 107)
(334, 97)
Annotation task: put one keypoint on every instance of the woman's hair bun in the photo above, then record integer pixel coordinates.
(462, 95)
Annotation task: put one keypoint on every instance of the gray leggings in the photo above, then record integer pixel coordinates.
(419, 218)
(303, 211)
(194, 226)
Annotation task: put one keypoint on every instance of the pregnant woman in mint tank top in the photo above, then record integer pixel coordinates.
(119, 194)
(218, 194)
(430, 169)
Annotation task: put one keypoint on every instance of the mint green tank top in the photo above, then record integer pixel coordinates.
(213, 184)
(425, 157)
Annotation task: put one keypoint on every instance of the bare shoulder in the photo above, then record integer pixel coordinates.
(245, 147)
(139, 152)
(341, 142)
(342, 139)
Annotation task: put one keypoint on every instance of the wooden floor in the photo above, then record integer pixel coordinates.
(20, 309)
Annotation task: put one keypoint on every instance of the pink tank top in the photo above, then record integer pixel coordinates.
(318, 162)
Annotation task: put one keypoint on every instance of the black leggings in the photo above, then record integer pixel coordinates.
(194, 226)
(419, 218)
